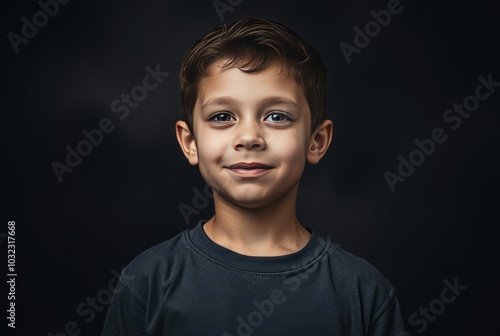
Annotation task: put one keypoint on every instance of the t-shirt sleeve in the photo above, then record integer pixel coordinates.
(126, 315)
(387, 321)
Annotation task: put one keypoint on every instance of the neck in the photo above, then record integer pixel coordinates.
(270, 230)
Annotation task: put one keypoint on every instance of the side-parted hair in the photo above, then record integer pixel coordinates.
(251, 45)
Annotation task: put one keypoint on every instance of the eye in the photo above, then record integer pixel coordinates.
(277, 117)
(221, 118)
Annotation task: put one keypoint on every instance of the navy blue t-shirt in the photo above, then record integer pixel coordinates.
(189, 285)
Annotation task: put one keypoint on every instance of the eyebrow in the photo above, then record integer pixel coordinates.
(226, 100)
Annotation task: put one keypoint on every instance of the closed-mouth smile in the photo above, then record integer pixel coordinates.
(249, 169)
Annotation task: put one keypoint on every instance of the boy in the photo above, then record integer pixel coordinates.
(253, 96)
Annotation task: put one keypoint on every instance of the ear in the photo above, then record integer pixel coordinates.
(187, 142)
(320, 141)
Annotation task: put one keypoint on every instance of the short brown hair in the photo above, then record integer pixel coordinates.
(252, 44)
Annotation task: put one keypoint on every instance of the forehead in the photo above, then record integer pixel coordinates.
(231, 85)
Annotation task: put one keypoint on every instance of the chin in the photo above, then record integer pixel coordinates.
(245, 201)
(254, 202)
(252, 205)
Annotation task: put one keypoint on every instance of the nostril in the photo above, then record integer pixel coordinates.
(257, 144)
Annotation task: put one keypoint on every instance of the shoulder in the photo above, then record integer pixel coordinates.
(156, 264)
(356, 271)
(363, 282)
(357, 265)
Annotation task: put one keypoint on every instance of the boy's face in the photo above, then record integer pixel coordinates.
(251, 135)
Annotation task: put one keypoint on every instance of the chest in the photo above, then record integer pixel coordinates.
(206, 302)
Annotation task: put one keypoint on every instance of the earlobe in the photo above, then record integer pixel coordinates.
(320, 141)
(187, 142)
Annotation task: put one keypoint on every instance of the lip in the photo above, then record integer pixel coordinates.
(249, 165)
(249, 169)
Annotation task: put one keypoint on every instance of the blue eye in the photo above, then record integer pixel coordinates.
(277, 117)
(221, 118)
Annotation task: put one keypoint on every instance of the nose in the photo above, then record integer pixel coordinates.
(249, 137)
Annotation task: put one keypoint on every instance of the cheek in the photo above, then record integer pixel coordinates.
(291, 146)
(211, 148)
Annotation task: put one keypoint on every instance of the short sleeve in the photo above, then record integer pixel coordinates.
(387, 321)
(126, 314)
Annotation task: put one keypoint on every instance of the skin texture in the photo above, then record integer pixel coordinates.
(258, 118)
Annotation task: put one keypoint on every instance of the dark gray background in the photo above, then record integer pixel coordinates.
(439, 224)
